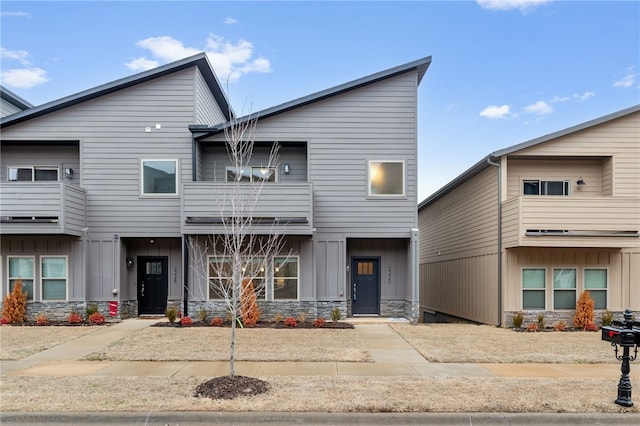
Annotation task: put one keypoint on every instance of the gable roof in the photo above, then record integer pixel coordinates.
(485, 162)
(420, 65)
(199, 60)
(14, 99)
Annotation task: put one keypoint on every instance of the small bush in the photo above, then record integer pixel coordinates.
(518, 319)
(74, 318)
(92, 309)
(560, 326)
(42, 319)
(4, 320)
(249, 322)
(320, 323)
(203, 314)
(278, 318)
(541, 321)
(96, 318)
(533, 327)
(606, 317)
(584, 310)
(14, 308)
(591, 327)
(171, 313)
(302, 317)
(335, 315)
(186, 321)
(216, 322)
(290, 322)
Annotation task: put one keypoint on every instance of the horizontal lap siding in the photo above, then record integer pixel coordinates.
(207, 109)
(113, 140)
(617, 138)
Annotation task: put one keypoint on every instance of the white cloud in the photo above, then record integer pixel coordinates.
(230, 21)
(628, 79)
(539, 108)
(230, 60)
(583, 97)
(525, 6)
(16, 14)
(17, 55)
(24, 78)
(494, 111)
(558, 98)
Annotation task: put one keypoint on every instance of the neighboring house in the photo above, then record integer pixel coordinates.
(10, 103)
(103, 193)
(562, 210)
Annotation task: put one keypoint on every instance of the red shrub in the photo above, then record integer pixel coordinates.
(320, 322)
(216, 322)
(186, 321)
(42, 319)
(591, 327)
(96, 318)
(74, 318)
(4, 320)
(532, 327)
(290, 322)
(560, 326)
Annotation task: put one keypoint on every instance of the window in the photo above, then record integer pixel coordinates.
(221, 276)
(159, 177)
(54, 277)
(595, 281)
(21, 268)
(251, 174)
(285, 277)
(32, 174)
(533, 288)
(386, 178)
(564, 289)
(545, 187)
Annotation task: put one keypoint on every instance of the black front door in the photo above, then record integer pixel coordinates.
(153, 283)
(365, 286)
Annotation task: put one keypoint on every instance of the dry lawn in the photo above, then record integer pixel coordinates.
(437, 342)
(253, 344)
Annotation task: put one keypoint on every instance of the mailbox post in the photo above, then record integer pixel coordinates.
(626, 336)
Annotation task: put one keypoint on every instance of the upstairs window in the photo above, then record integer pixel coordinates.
(251, 174)
(32, 174)
(545, 187)
(159, 177)
(386, 178)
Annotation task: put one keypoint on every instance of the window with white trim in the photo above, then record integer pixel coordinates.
(595, 281)
(533, 288)
(545, 187)
(251, 174)
(22, 268)
(32, 173)
(54, 277)
(386, 178)
(220, 276)
(285, 278)
(159, 177)
(564, 288)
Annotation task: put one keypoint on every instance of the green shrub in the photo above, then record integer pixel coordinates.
(606, 317)
(335, 315)
(172, 313)
(92, 309)
(540, 320)
(518, 319)
(203, 314)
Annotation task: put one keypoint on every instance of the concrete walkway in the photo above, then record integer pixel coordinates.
(392, 356)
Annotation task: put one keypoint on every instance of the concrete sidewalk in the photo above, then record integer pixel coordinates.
(392, 356)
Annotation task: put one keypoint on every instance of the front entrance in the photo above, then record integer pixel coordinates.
(365, 285)
(153, 285)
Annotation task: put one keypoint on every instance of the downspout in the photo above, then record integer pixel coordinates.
(499, 324)
(185, 273)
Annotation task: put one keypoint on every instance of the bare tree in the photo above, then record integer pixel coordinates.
(237, 256)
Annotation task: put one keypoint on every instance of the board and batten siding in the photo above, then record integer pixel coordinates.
(113, 141)
(458, 251)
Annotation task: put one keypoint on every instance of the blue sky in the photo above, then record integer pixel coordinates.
(502, 72)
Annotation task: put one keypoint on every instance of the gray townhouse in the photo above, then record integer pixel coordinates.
(104, 192)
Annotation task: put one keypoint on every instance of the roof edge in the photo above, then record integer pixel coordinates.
(484, 163)
(14, 99)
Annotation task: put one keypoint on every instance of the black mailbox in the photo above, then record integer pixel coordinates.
(612, 334)
(627, 336)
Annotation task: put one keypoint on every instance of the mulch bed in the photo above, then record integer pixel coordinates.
(56, 324)
(226, 387)
(261, 324)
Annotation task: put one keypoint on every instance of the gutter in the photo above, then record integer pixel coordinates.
(499, 324)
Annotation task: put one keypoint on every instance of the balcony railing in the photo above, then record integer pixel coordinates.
(571, 221)
(207, 207)
(42, 208)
